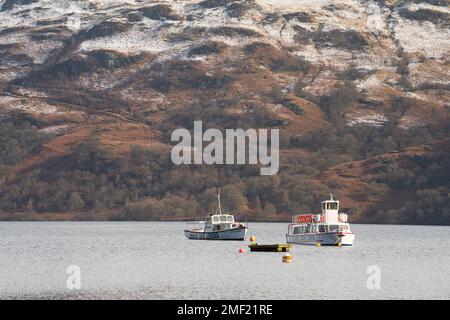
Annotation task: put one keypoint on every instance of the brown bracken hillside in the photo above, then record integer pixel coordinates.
(91, 91)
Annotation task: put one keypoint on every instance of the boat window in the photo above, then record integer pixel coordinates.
(333, 205)
(230, 219)
(333, 227)
(321, 228)
(215, 219)
(323, 206)
(297, 230)
(308, 228)
(343, 228)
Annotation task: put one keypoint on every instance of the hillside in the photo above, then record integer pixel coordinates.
(91, 91)
(408, 186)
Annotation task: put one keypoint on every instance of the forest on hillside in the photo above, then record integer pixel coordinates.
(146, 185)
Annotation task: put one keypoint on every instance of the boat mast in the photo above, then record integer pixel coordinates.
(220, 206)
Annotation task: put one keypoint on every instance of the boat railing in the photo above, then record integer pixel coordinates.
(195, 225)
(197, 222)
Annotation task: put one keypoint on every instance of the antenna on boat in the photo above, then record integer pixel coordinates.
(331, 196)
(220, 206)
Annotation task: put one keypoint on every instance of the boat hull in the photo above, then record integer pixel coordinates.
(325, 239)
(279, 247)
(229, 234)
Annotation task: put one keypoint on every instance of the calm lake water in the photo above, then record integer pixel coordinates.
(153, 260)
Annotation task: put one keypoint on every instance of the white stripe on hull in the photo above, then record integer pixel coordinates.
(326, 239)
(231, 234)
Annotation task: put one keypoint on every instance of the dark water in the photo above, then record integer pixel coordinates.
(152, 260)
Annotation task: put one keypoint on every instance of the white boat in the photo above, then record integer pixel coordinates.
(217, 226)
(330, 228)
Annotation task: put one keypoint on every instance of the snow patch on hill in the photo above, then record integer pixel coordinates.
(408, 121)
(31, 106)
(56, 129)
(290, 5)
(371, 119)
(370, 38)
(422, 37)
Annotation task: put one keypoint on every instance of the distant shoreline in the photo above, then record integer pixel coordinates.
(108, 217)
(46, 217)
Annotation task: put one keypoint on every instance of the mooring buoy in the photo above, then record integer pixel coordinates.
(287, 258)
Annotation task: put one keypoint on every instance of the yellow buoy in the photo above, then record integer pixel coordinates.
(318, 244)
(252, 239)
(287, 258)
(339, 244)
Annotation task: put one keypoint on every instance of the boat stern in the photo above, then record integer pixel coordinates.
(347, 238)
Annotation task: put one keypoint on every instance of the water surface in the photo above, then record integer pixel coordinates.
(153, 260)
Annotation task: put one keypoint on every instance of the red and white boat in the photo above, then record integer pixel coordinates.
(330, 228)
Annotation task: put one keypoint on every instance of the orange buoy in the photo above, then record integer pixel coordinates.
(252, 238)
(287, 258)
(241, 250)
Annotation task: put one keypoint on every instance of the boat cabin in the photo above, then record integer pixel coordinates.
(221, 218)
(330, 212)
(219, 222)
(318, 228)
(330, 206)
